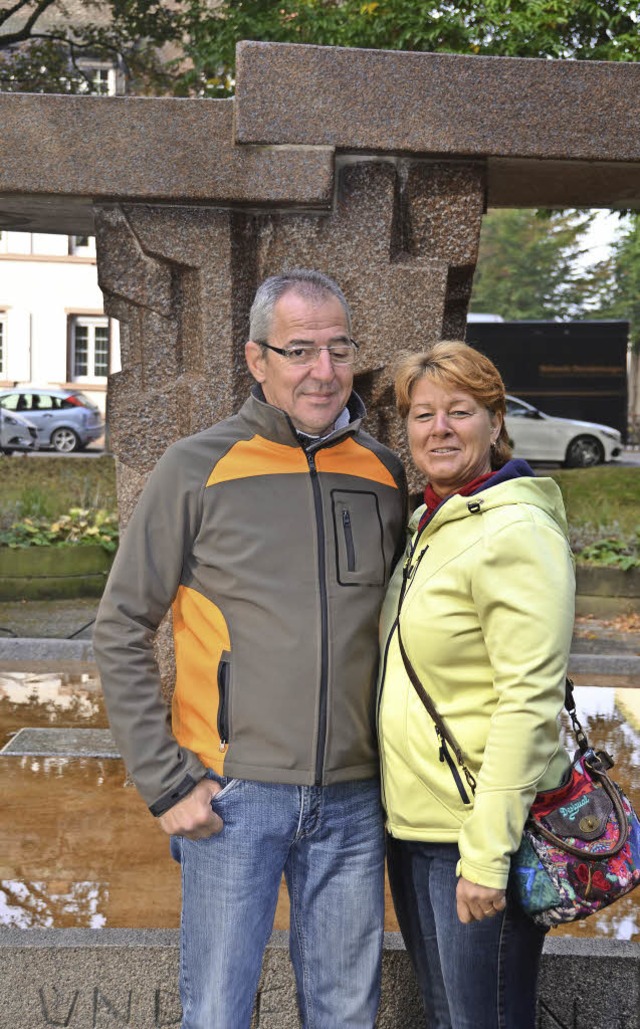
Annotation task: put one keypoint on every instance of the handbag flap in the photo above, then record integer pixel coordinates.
(583, 817)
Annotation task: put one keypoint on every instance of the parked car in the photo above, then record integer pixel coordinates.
(65, 419)
(16, 433)
(543, 437)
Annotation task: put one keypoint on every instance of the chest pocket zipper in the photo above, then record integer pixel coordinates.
(348, 539)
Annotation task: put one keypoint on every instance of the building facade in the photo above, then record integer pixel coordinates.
(53, 329)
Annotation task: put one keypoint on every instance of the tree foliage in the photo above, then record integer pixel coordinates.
(529, 265)
(38, 37)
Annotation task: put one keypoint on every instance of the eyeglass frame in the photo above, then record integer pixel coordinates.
(286, 353)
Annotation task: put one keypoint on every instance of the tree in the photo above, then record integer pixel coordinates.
(206, 32)
(529, 267)
(48, 46)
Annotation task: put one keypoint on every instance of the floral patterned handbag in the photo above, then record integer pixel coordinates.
(580, 847)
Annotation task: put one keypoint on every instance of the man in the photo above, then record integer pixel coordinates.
(272, 535)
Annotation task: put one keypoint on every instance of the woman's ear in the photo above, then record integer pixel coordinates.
(496, 425)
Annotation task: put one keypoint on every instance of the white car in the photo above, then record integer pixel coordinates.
(16, 433)
(543, 437)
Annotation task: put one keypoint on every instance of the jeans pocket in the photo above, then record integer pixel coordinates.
(226, 783)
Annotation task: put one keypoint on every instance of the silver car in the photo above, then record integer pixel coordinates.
(65, 419)
(544, 437)
(16, 433)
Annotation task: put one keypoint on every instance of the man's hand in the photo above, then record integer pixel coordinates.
(475, 902)
(194, 817)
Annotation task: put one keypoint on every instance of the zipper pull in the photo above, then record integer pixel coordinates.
(222, 746)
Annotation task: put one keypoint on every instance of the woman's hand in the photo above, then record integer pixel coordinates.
(475, 902)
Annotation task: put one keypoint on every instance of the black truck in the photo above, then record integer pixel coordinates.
(570, 369)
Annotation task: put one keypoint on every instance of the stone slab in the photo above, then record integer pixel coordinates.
(556, 133)
(606, 664)
(470, 106)
(142, 149)
(50, 652)
(39, 649)
(82, 978)
(61, 743)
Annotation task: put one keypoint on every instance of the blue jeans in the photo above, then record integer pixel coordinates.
(481, 975)
(329, 842)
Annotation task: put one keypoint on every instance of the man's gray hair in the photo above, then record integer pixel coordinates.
(305, 283)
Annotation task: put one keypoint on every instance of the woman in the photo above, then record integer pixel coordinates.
(486, 620)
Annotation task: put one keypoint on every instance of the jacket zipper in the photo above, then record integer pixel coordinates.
(348, 538)
(324, 622)
(223, 705)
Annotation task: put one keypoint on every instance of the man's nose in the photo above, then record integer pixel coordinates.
(323, 368)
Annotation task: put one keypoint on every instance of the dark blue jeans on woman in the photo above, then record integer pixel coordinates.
(481, 975)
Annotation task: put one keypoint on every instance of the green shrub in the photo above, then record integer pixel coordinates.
(79, 526)
(613, 552)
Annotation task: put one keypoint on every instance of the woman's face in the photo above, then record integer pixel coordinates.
(450, 435)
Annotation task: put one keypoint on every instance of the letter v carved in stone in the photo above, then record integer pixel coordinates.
(52, 1006)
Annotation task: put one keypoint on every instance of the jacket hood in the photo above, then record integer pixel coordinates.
(514, 483)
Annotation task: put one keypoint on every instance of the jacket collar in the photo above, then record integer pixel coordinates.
(274, 424)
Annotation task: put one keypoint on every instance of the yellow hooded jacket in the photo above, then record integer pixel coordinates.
(486, 622)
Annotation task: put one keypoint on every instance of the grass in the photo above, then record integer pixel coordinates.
(47, 486)
(601, 501)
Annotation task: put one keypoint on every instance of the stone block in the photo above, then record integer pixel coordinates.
(146, 149)
(127, 979)
(62, 743)
(420, 103)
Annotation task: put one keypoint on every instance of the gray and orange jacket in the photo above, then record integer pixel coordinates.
(275, 560)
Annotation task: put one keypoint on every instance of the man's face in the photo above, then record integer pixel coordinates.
(313, 397)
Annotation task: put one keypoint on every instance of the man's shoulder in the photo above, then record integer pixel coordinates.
(191, 458)
(388, 456)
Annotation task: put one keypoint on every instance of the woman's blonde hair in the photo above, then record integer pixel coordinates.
(454, 363)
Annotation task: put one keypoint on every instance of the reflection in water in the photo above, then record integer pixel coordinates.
(38, 701)
(48, 904)
(81, 849)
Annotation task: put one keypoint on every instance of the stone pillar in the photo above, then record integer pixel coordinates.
(401, 239)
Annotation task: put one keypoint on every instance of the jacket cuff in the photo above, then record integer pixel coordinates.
(178, 793)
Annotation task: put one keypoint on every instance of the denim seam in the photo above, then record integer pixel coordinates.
(301, 944)
(500, 979)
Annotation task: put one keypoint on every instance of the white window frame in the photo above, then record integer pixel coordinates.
(91, 323)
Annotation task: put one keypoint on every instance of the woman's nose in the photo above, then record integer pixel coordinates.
(440, 423)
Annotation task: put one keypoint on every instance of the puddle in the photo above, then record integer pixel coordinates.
(42, 700)
(81, 850)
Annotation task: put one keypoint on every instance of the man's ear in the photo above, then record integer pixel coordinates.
(255, 358)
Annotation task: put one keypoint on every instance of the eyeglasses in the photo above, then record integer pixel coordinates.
(305, 355)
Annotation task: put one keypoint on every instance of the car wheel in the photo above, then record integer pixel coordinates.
(583, 452)
(65, 441)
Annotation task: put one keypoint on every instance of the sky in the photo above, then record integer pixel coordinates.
(601, 235)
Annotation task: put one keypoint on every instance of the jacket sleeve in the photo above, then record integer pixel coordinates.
(143, 582)
(523, 590)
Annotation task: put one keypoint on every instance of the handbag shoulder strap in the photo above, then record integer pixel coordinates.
(444, 734)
